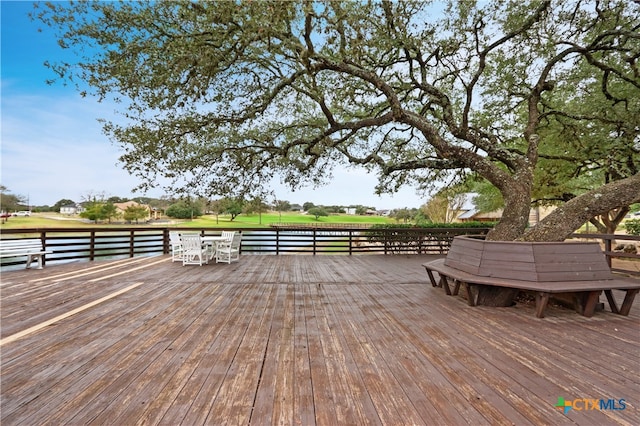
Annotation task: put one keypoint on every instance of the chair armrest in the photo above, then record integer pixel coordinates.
(223, 244)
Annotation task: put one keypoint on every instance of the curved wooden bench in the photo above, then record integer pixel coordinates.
(579, 269)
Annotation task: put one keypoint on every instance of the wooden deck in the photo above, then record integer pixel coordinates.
(298, 340)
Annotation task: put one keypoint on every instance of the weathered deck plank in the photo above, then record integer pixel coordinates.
(298, 340)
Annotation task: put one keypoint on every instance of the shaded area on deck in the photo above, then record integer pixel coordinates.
(297, 340)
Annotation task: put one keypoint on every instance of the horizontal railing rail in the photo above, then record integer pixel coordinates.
(70, 244)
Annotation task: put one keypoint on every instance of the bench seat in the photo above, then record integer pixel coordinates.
(30, 247)
(589, 290)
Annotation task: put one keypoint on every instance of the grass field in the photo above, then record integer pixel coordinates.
(54, 220)
(252, 221)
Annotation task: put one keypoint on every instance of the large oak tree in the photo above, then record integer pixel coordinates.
(223, 96)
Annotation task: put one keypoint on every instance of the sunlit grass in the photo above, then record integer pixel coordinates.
(42, 221)
(256, 220)
(54, 220)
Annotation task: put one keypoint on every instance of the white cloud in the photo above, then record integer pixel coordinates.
(53, 148)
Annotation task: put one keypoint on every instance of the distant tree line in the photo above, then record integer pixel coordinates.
(99, 207)
(439, 209)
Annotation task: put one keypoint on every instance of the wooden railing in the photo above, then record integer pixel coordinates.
(69, 244)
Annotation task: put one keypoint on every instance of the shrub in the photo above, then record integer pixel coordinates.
(429, 225)
(632, 226)
(415, 239)
(183, 210)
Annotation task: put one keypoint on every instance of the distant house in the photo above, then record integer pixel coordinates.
(121, 207)
(71, 209)
(156, 213)
(462, 209)
(466, 211)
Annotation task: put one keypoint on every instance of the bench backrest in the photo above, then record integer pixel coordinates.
(23, 244)
(564, 261)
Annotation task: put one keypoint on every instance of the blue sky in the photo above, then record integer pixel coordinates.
(53, 148)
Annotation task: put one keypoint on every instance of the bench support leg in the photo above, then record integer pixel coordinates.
(456, 288)
(612, 302)
(31, 258)
(445, 283)
(471, 300)
(589, 306)
(431, 278)
(626, 303)
(542, 300)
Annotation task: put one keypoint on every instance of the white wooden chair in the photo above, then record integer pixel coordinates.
(229, 251)
(176, 246)
(226, 236)
(194, 253)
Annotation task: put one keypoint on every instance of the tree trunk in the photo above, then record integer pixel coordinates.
(496, 296)
(515, 216)
(607, 223)
(567, 218)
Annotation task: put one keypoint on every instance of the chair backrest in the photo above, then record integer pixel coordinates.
(191, 241)
(228, 235)
(174, 237)
(235, 241)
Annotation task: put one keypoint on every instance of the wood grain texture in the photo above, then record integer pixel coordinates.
(310, 340)
(527, 261)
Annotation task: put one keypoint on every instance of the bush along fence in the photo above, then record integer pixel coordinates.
(423, 239)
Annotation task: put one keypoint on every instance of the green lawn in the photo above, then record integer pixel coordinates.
(53, 220)
(254, 221)
(41, 220)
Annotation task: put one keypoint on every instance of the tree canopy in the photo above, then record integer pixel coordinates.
(10, 202)
(317, 212)
(184, 209)
(135, 213)
(220, 97)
